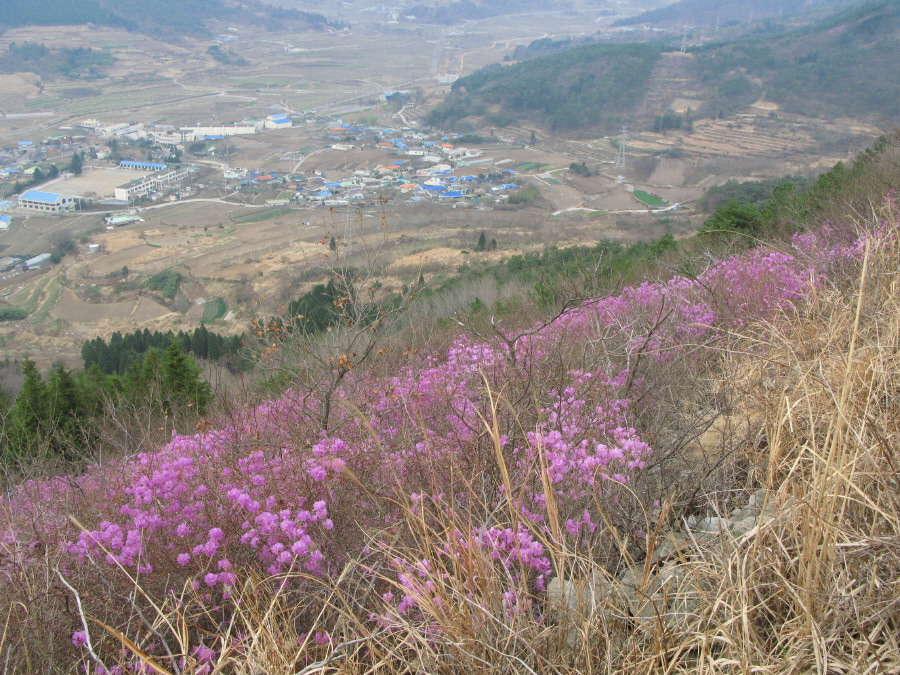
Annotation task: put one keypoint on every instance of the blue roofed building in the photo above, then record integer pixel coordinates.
(148, 166)
(279, 121)
(5, 222)
(36, 200)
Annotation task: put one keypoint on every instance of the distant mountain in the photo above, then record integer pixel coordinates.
(845, 65)
(710, 12)
(162, 18)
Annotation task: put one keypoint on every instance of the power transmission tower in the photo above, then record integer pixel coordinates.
(684, 40)
(620, 155)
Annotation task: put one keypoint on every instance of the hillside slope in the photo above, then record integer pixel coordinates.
(838, 66)
(711, 12)
(164, 18)
(588, 86)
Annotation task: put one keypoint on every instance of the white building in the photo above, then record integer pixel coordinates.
(35, 200)
(200, 133)
(152, 183)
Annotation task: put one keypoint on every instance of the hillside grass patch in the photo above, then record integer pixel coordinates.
(213, 310)
(649, 199)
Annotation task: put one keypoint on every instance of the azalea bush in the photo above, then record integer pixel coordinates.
(506, 449)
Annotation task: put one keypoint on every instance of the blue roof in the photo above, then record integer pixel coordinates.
(332, 185)
(281, 120)
(214, 137)
(278, 116)
(507, 186)
(26, 143)
(4, 205)
(149, 165)
(5, 219)
(432, 187)
(451, 193)
(38, 196)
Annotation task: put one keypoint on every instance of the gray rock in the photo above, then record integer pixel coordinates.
(708, 524)
(757, 499)
(743, 526)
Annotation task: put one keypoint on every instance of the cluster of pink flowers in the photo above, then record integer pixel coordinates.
(269, 490)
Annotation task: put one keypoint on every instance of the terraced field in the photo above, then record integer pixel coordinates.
(721, 137)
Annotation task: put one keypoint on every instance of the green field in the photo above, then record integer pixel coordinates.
(41, 102)
(265, 215)
(29, 302)
(212, 310)
(649, 199)
(53, 290)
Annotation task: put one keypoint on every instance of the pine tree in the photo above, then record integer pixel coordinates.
(332, 244)
(182, 382)
(482, 242)
(66, 411)
(30, 411)
(77, 164)
(200, 342)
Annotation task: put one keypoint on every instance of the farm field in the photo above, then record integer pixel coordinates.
(648, 198)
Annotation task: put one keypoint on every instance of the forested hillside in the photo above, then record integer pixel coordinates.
(842, 65)
(80, 62)
(710, 12)
(164, 18)
(592, 86)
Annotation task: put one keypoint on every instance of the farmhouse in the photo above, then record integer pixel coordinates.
(35, 200)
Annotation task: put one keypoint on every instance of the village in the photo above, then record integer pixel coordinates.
(367, 164)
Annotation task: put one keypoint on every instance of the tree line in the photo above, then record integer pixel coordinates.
(62, 417)
(121, 352)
